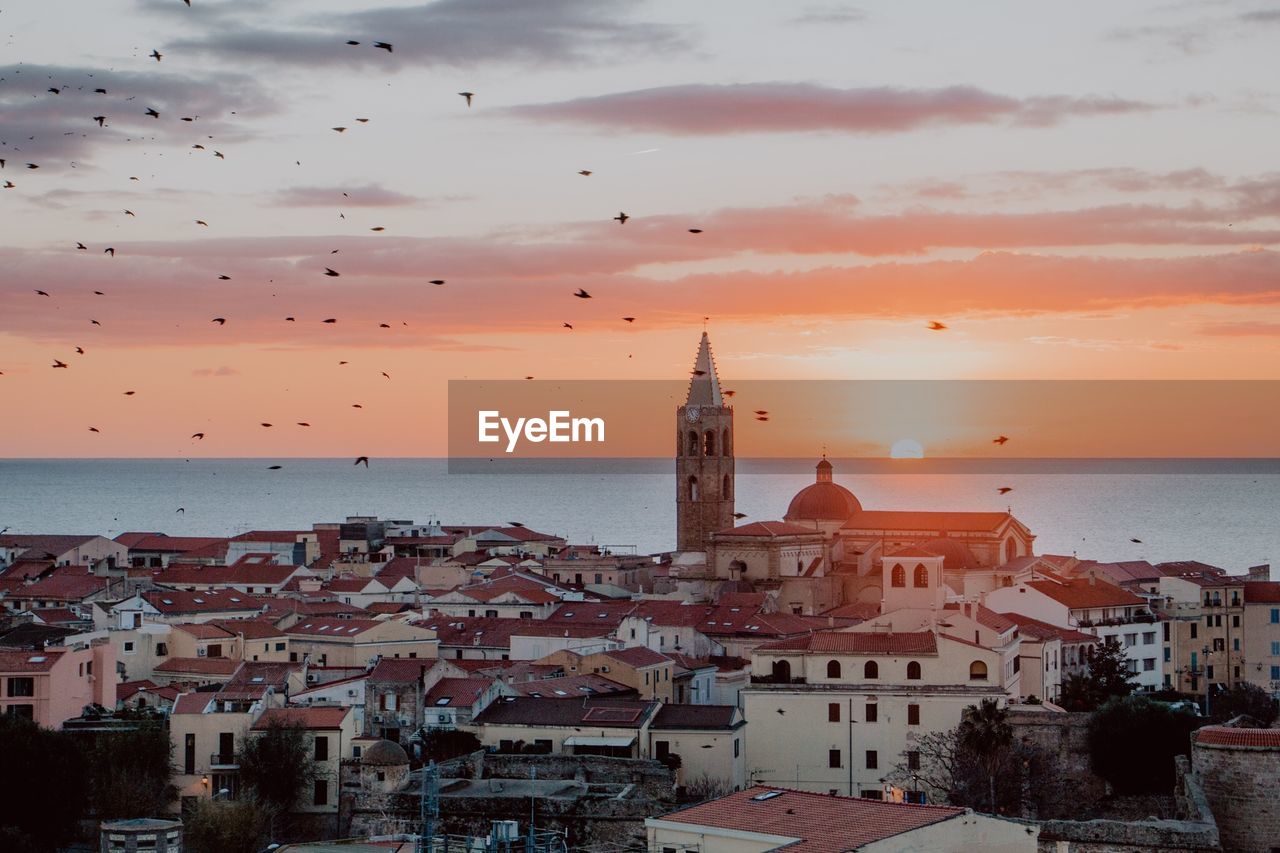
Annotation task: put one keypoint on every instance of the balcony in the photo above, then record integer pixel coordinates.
(220, 761)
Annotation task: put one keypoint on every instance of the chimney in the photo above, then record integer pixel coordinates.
(1093, 578)
(831, 621)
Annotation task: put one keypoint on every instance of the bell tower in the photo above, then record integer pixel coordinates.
(704, 457)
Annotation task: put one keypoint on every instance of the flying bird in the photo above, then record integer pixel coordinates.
(695, 230)
(57, 363)
(586, 173)
(567, 326)
(100, 91)
(101, 120)
(155, 54)
(303, 423)
(436, 281)
(330, 320)
(739, 515)
(1138, 541)
(198, 435)
(153, 112)
(349, 41)
(622, 218)
(130, 393)
(266, 424)
(386, 375)
(9, 185)
(95, 322)
(935, 326)
(1000, 439)
(224, 278)
(128, 212)
(339, 129)
(94, 429)
(202, 222)
(98, 293)
(629, 319)
(274, 467)
(384, 325)
(696, 372)
(41, 293)
(79, 350)
(181, 510)
(382, 45)
(109, 251)
(331, 273)
(290, 320)
(221, 321)
(1004, 490)
(760, 412)
(81, 246)
(468, 96)
(364, 459)
(377, 228)
(582, 294)
(515, 524)
(356, 406)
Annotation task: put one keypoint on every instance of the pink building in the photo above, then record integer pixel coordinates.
(53, 685)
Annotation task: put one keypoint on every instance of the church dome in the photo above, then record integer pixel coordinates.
(953, 552)
(384, 753)
(823, 500)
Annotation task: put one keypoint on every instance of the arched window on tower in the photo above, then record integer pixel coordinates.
(693, 488)
(898, 576)
(726, 488)
(724, 442)
(833, 669)
(709, 443)
(1010, 550)
(913, 671)
(870, 669)
(921, 576)
(692, 449)
(977, 671)
(781, 672)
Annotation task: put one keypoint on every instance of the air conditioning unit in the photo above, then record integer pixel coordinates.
(202, 652)
(377, 718)
(351, 693)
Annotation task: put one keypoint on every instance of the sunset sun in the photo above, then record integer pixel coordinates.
(906, 448)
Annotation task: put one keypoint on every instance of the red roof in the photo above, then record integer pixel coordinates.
(192, 703)
(769, 529)
(1081, 594)
(208, 601)
(250, 629)
(638, 657)
(823, 823)
(953, 522)
(1037, 630)
(316, 627)
(1232, 736)
(168, 544)
(859, 643)
(68, 583)
(203, 630)
(456, 692)
(404, 670)
(1262, 592)
(199, 666)
(28, 661)
(310, 717)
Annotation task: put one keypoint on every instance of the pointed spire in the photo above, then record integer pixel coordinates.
(704, 387)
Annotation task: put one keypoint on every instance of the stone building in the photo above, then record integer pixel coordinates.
(1239, 771)
(704, 457)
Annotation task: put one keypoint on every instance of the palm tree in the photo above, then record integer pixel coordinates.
(986, 733)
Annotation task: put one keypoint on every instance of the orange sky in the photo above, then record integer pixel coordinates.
(1070, 221)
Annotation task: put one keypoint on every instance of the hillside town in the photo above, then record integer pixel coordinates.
(817, 680)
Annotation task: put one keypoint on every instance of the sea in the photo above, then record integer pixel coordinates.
(1225, 512)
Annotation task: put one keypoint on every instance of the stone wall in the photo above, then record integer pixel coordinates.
(1061, 783)
(1196, 832)
(1242, 786)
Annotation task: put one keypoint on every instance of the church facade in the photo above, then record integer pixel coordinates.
(827, 551)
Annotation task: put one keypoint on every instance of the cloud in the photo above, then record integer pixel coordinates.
(1242, 329)
(369, 195)
(456, 33)
(700, 109)
(54, 129)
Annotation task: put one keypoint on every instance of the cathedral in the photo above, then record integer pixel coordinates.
(827, 553)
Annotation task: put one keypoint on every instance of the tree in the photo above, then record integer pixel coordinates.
(35, 817)
(238, 826)
(706, 787)
(276, 766)
(1108, 676)
(985, 731)
(1247, 699)
(1132, 743)
(130, 773)
(948, 771)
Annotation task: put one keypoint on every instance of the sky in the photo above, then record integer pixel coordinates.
(1076, 191)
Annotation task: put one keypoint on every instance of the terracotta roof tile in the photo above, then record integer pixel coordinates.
(1080, 594)
(310, 717)
(1231, 736)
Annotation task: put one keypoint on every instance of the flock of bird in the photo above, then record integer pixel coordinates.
(469, 97)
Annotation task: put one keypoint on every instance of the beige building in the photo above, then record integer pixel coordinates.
(762, 819)
(836, 711)
(1261, 664)
(1202, 632)
(647, 671)
(357, 642)
(331, 732)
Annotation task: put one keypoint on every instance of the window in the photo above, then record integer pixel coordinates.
(128, 647)
(737, 748)
(321, 793)
(215, 650)
(356, 750)
(1130, 639)
(913, 760)
(833, 669)
(873, 712)
(1194, 627)
(977, 671)
(1148, 664)
(833, 758)
(20, 712)
(920, 577)
(870, 670)
(22, 687)
(322, 748)
(1275, 648)
(781, 672)
(913, 671)
(873, 759)
(1275, 673)
(833, 712)
(1208, 671)
(1235, 621)
(1148, 637)
(1168, 655)
(162, 649)
(189, 755)
(1235, 644)
(898, 576)
(913, 715)
(661, 749)
(1275, 616)
(1166, 632)
(226, 747)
